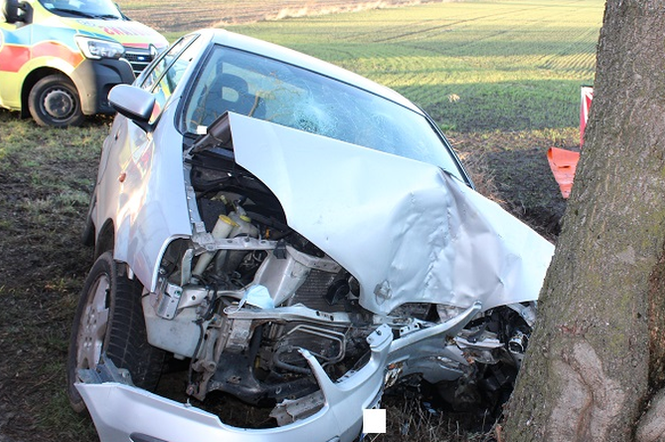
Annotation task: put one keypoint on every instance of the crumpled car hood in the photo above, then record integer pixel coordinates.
(406, 230)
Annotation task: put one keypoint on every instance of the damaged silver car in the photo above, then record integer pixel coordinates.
(279, 235)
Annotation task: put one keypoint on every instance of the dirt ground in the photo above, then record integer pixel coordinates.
(512, 169)
(172, 16)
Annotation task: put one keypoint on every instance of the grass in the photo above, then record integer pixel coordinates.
(46, 176)
(474, 66)
(502, 77)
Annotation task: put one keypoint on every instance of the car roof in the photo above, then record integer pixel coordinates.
(270, 50)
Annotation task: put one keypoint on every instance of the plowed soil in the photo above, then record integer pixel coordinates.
(173, 16)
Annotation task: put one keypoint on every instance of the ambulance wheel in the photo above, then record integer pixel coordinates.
(54, 101)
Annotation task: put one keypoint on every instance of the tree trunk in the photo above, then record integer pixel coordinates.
(596, 356)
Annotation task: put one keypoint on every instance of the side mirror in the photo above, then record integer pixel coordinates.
(16, 11)
(134, 103)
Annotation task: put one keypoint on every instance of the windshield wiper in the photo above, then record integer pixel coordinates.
(74, 12)
(108, 17)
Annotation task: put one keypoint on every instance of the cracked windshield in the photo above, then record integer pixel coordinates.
(247, 84)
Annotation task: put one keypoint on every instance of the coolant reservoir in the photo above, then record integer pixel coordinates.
(244, 225)
(223, 227)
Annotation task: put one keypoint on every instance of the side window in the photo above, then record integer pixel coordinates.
(167, 71)
(161, 65)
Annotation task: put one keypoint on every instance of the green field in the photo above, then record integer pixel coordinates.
(502, 77)
(474, 66)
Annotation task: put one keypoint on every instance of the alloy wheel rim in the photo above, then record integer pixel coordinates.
(59, 104)
(94, 322)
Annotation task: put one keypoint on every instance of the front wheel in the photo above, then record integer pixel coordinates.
(54, 101)
(109, 321)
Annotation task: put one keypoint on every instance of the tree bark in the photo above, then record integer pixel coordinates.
(596, 356)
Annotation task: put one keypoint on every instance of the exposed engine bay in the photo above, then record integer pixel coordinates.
(248, 301)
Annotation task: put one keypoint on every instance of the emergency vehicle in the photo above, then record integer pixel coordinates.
(60, 58)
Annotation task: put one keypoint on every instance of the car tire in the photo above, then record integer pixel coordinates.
(109, 321)
(54, 101)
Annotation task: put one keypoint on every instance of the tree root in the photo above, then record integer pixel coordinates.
(651, 427)
(589, 399)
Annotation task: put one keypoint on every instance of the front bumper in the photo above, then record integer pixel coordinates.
(95, 78)
(122, 412)
(125, 413)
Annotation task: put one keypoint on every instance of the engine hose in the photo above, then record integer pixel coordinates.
(268, 221)
(286, 366)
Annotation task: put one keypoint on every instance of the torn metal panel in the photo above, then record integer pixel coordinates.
(405, 229)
